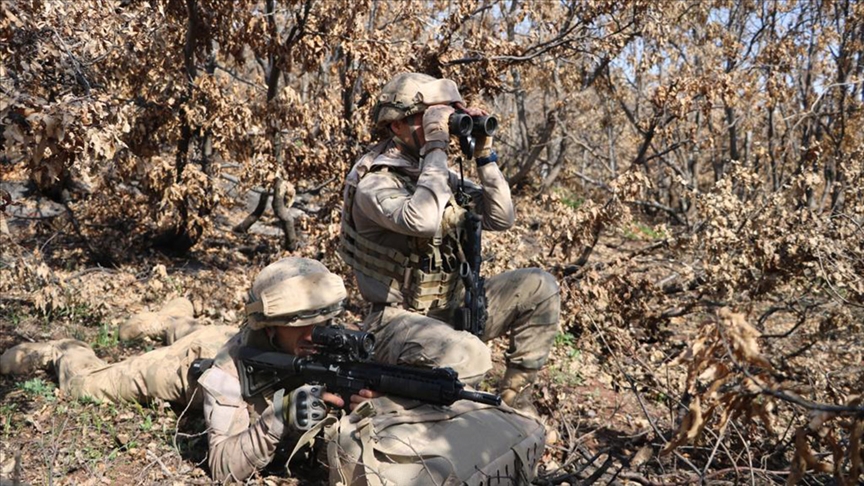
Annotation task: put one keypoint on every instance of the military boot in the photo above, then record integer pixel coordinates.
(26, 358)
(181, 327)
(154, 324)
(515, 389)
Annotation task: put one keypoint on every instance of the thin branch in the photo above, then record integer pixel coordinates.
(638, 396)
(672, 148)
(714, 451)
(75, 64)
(600, 184)
(857, 412)
(238, 78)
(818, 99)
(671, 211)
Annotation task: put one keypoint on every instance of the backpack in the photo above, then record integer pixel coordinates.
(398, 442)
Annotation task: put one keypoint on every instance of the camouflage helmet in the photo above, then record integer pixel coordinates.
(410, 93)
(294, 292)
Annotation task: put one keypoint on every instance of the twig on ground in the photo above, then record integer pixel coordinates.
(714, 452)
(693, 479)
(649, 248)
(573, 443)
(749, 455)
(599, 472)
(157, 460)
(86, 271)
(177, 432)
(55, 451)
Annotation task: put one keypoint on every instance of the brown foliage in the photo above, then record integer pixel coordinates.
(688, 156)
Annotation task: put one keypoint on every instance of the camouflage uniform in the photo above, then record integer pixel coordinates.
(245, 432)
(159, 374)
(399, 210)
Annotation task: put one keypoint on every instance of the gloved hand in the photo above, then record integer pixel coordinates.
(436, 123)
(483, 146)
(302, 408)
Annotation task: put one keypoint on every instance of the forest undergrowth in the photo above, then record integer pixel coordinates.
(689, 171)
(650, 381)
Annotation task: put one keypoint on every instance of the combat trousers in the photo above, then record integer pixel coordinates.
(159, 374)
(524, 304)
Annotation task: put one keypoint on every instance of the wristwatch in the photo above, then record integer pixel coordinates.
(481, 161)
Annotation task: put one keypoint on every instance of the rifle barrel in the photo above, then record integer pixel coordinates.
(480, 397)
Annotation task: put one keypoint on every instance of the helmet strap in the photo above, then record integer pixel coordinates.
(417, 144)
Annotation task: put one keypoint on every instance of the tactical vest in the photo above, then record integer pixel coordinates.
(428, 276)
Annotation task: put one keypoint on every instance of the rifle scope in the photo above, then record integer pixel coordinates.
(341, 342)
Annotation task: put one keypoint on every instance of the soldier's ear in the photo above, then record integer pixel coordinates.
(394, 127)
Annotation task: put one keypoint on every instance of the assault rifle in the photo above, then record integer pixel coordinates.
(472, 315)
(343, 365)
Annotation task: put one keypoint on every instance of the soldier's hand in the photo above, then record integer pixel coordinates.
(483, 145)
(304, 407)
(361, 396)
(436, 122)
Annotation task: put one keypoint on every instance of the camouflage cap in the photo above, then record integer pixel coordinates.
(410, 93)
(294, 292)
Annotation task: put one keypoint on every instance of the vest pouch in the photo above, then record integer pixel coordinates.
(404, 442)
(430, 291)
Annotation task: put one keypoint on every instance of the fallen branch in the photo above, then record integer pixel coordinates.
(857, 412)
(632, 383)
(156, 460)
(663, 481)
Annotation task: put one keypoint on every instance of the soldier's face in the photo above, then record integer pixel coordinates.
(294, 340)
(410, 130)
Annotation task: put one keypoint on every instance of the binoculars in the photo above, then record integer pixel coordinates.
(467, 127)
(463, 125)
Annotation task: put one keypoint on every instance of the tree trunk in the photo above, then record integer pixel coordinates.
(521, 177)
(256, 214)
(281, 207)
